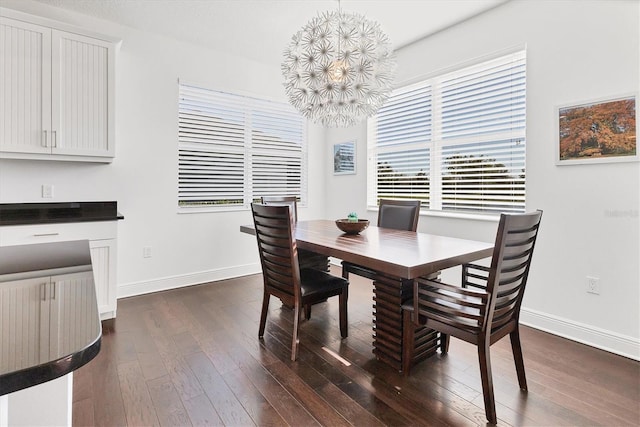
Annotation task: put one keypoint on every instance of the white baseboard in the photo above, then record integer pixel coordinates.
(586, 334)
(180, 281)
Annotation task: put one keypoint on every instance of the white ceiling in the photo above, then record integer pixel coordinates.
(261, 29)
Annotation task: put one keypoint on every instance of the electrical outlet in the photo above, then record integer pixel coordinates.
(593, 285)
(146, 252)
(47, 191)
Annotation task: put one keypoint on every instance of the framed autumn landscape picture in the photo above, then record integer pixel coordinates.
(597, 132)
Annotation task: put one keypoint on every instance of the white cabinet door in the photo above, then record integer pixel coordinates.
(80, 93)
(69, 326)
(24, 300)
(103, 257)
(25, 87)
(56, 94)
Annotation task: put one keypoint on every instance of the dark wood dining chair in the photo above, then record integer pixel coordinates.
(282, 275)
(306, 259)
(395, 214)
(485, 308)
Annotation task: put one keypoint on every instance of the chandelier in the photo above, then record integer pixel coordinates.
(338, 69)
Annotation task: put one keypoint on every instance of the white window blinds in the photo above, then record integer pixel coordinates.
(456, 141)
(401, 137)
(232, 149)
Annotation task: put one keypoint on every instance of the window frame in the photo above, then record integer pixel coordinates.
(433, 142)
(255, 142)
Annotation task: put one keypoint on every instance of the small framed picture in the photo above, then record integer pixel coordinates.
(344, 158)
(601, 131)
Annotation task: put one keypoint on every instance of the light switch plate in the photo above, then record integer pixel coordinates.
(47, 191)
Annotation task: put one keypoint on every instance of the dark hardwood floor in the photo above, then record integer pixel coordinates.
(192, 356)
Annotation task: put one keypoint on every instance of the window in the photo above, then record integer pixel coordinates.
(455, 141)
(233, 150)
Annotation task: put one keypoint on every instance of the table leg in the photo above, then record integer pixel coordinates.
(389, 295)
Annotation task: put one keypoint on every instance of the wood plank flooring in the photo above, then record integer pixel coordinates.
(191, 356)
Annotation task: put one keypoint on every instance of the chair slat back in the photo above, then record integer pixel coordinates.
(291, 201)
(277, 248)
(450, 304)
(515, 241)
(399, 214)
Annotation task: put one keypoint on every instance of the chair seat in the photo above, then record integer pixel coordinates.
(318, 283)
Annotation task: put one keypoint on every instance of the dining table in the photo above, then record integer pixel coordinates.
(398, 257)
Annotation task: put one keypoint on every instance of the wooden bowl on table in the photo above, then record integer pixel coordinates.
(352, 227)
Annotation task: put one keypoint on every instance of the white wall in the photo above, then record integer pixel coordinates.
(576, 51)
(186, 248)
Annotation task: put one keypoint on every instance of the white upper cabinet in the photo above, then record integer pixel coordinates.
(56, 94)
(25, 87)
(80, 95)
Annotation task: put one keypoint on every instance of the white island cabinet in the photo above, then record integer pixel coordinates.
(102, 241)
(56, 91)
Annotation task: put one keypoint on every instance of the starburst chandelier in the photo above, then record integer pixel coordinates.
(338, 69)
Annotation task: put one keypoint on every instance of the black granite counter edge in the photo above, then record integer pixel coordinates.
(58, 212)
(39, 374)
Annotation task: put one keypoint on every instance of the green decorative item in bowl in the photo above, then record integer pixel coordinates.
(350, 226)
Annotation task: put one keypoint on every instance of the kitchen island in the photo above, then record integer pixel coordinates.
(49, 327)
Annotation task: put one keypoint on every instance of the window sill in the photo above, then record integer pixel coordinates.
(211, 209)
(218, 209)
(456, 215)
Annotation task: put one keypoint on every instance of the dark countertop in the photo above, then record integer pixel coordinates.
(57, 212)
(49, 321)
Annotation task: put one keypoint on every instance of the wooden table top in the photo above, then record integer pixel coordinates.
(403, 254)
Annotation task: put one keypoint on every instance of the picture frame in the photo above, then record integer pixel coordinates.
(344, 158)
(597, 131)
